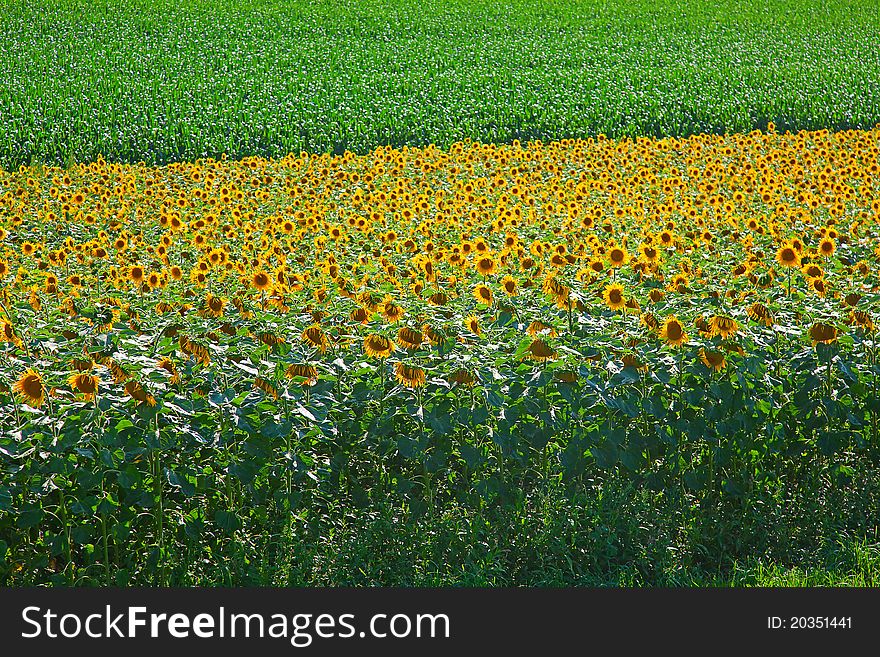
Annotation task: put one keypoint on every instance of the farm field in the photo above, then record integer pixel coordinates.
(164, 81)
(640, 359)
(447, 293)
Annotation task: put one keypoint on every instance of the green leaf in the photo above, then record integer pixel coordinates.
(227, 521)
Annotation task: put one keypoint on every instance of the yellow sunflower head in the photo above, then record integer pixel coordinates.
(30, 388)
(613, 296)
(483, 294)
(672, 332)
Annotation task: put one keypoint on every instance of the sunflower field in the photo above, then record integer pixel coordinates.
(202, 352)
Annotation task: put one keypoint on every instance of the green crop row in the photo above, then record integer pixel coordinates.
(165, 81)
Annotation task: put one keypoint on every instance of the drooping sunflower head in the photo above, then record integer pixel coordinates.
(434, 336)
(378, 346)
(409, 375)
(761, 313)
(656, 295)
(852, 299)
(168, 365)
(214, 305)
(537, 327)
(462, 377)
(649, 320)
(410, 338)
(314, 335)
(862, 319)
(359, 316)
(438, 299)
(85, 383)
(540, 351)
(308, 373)
(136, 391)
(714, 360)
(724, 326)
(634, 362)
(823, 332)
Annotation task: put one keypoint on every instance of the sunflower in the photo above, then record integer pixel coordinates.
(136, 274)
(438, 299)
(30, 387)
(508, 284)
(714, 360)
(649, 320)
(270, 339)
(409, 376)
(852, 299)
(85, 383)
(483, 294)
(314, 335)
(309, 373)
(824, 333)
(724, 326)
(434, 336)
(167, 365)
(826, 247)
(462, 377)
(704, 328)
(261, 280)
(538, 327)
(656, 295)
(862, 319)
(617, 256)
(613, 296)
(410, 338)
(7, 332)
(566, 376)
(672, 332)
(486, 265)
(787, 256)
(359, 316)
(391, 311)
(649, 253)
(761, 313)
(136, 391)
(214, 306)
(378, 346)
(540, 351)
(632, 361)
(819, 286)
(472, 324)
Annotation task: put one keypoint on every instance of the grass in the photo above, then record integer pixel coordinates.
(166, 81)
